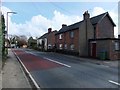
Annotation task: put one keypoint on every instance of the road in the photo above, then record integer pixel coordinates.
(53, 70)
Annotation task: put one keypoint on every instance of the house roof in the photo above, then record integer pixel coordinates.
(46, 35)
(94, 20)
(70, 27)
(97, 19)
(43, 36)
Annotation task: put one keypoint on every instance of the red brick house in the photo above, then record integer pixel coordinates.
(89, 37)
(47, 41)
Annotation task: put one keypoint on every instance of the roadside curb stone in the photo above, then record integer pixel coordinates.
(12, 75)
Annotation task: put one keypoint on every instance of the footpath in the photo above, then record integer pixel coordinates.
(13, 75)
(109, 63)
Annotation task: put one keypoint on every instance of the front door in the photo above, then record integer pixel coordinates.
(93, 50)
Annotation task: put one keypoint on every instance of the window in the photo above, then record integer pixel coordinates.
(71, 34)
(117, 46)
(72, 46)
(65, 46)
(60, 36)
(49, 46)
(60, 46)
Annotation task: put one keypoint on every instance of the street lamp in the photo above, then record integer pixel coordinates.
(7, 29)
(7, 21)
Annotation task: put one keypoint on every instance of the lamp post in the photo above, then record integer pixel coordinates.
(7, 21)
(7, 28)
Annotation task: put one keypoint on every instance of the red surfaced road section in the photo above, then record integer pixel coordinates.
(33, 62)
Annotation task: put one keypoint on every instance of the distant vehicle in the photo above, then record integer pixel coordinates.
(13, 45)
(24, 46)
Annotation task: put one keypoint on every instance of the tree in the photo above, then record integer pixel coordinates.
(3, 35)
(19, 41)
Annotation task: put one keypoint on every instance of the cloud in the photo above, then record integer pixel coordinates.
(97, 11)
(39, 24)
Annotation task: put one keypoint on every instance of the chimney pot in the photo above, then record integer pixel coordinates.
(86, 15)
(64, 25)
(49, 30)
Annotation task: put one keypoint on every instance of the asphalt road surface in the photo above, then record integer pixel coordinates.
(53, 70)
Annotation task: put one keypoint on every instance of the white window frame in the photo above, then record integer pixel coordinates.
(60, 46)
(117, 46)
(72, 47)
(60, 36)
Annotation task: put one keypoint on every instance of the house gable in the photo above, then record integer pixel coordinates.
(105, 28)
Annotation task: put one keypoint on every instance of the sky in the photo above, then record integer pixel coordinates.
(34, 18)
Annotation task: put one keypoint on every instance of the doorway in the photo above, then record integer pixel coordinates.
(93, 50)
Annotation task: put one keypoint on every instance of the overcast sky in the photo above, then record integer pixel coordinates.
(34, 18)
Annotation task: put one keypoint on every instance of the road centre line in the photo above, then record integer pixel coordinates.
(57, 62)
(116, 83)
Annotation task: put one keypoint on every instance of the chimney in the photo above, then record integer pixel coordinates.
(49, 30)
(86, 15)
(118, 36)
(64, 25)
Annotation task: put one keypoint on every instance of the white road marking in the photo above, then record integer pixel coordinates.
(30, 53)
(57, 62)
(105, 65)
(116, 83)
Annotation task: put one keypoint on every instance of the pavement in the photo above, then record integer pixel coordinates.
(13, 75)
(0, 80)
(110, 63)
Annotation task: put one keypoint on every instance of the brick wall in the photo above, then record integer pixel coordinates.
(105, 29)
(103, 46)
(51, 39)
(66, 39)
(107, 46)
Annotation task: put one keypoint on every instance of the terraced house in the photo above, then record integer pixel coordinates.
(47, 41)
(90, 37)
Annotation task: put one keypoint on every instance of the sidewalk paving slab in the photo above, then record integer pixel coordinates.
(13, 75)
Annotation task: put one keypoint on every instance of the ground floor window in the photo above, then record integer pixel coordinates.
(117, 46)
(65, 46)
(60, 46)
(72, 46)
(49, 46)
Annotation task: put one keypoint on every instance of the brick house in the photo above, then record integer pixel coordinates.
(89, 37)
(47, 41)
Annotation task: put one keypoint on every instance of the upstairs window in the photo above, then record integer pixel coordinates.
(72, 34)
(60, 36)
